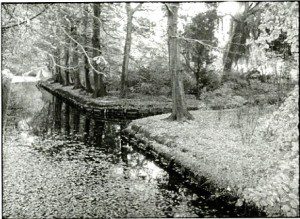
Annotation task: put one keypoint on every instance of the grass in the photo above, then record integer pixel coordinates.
(241, 150)
(213, 146)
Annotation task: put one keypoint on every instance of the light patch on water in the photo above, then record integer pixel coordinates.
(156, 172)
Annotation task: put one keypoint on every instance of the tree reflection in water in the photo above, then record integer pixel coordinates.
(57, 114)
(101, 146)
(86, 133)
(67, 119)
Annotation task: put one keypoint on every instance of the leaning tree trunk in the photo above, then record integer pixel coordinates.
(179, 109)
(99, 90)
(88, 86)
(75, 60)
(236, 47)
(229, 55)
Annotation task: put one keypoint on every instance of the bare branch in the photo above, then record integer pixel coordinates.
(233, 17)
(83, 50)
(137, 8)
(187, 63)
(53, 59)
(253, 7)
(169, 9)
(208, 45)
(25, 21)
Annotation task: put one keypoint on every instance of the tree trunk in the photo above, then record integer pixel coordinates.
(67, 59)
(229, 55)
(59, 77)
(236, 48)
(88, 86)
(179, 109)
(99, 90)
(127, 47)
(75, 59)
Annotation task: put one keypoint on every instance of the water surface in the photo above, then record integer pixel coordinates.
(59, 162)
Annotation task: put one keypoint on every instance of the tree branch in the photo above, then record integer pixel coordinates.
(137, 8)
(168, 8)
(53, 59)
(251, 9)
(187, 63)
(83, 50)
(25, 21)
(208, 45)
(233, 17)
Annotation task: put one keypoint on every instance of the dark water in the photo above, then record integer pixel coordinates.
(79, 166)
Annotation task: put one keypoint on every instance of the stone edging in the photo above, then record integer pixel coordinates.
(151, 147)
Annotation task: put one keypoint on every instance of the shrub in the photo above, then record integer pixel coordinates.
(147, 88)
(278, 194)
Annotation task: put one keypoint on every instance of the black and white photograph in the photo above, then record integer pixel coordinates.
(149, 109)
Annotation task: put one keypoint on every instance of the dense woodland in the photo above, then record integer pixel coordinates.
(125, 50)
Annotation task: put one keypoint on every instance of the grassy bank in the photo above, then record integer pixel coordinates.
(246, 151)
(142, 103)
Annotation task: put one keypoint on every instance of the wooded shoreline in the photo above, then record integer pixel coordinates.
(117, 110)
(109, 108)
(188, 156)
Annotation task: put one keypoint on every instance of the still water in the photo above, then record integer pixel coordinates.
(59, 162)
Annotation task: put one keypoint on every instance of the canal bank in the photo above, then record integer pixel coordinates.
(224, 151)
(59, 162)
(112, 107)
(250, 154)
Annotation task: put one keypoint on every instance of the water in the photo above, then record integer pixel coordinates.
(59, 162)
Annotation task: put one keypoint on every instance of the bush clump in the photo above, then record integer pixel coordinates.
(241, 89)
(279, 193)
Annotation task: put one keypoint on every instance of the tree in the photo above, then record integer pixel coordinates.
(18, 51)
(242, 26)
(124, 77)
(202, 28)
(15, 20)
(58, 76)
(75, 59)
(179, 108)
(99, 86)
(67, 55)
(279, 31)
(88, 86)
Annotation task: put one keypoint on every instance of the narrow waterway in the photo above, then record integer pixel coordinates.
(59, 162)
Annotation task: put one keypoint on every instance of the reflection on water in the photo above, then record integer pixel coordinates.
(117, 181)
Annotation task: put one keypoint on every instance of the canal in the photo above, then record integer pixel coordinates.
(60, 163)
